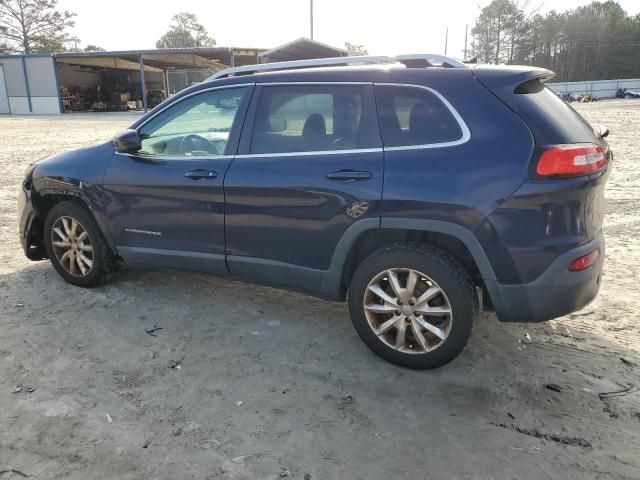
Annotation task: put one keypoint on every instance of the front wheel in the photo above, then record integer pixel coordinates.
(76, 246)
(413, 304)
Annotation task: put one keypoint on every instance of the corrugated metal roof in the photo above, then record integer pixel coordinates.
(301, 49)
(161, 57)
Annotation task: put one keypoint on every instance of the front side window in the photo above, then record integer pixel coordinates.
(309, 118)
(412, 116)
(199, 125)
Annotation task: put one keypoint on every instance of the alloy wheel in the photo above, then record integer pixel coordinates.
(72, 246)
(407, 310)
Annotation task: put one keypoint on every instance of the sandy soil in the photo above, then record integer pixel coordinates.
(274, 384)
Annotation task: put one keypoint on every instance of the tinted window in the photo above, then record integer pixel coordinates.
(414, 116)
(198, 125)
(310, 118)
(551, 119)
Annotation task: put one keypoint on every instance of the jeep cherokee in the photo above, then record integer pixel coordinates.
(410, 186)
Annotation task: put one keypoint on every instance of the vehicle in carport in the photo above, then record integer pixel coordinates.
(410, 186)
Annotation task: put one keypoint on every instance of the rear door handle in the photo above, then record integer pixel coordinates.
(201, 174)
(349, 176)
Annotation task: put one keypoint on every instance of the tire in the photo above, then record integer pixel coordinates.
(450, 289)
(103, 263)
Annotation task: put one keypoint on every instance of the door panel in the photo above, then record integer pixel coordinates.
(286, 208)
(286, 211)
(166, 203)
(151, 203)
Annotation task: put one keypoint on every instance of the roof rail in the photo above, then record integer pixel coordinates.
(414, 60)
(431, 59)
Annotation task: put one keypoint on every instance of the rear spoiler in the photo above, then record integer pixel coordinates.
(503, 80)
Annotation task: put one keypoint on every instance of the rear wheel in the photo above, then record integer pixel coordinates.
(414, 305)
(76, 246)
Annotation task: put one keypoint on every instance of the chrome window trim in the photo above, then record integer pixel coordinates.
(310, 153)
(466, 133)
(161, 158)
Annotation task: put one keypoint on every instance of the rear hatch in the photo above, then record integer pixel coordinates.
(554, 122)
(568, 168)
(551, 120)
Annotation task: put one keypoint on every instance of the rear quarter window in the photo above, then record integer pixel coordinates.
(414, 116)
(552, 120)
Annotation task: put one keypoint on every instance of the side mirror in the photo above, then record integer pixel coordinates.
(127, 141)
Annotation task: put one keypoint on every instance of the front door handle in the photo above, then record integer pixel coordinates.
(201, 174)
(349, 176)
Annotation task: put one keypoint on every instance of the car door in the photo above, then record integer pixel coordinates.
(309, 166)
(165, 203)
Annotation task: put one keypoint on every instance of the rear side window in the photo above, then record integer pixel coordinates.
(551, 119)
(411, 116)
(309, 118)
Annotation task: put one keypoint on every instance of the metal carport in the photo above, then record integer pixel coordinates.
(301, 49)
(160, 61)
(30, 84)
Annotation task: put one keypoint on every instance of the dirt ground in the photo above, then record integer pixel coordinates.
(248, 382)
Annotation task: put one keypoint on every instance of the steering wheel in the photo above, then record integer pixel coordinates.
(196, 143)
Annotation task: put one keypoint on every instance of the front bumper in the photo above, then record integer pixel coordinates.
(555, 293)
(30, 227)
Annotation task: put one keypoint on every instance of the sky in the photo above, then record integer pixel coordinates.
(383, 27)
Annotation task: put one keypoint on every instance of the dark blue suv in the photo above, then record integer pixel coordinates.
(411, 188)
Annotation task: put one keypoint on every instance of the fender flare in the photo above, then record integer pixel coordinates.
(331, 281)
(90, 195)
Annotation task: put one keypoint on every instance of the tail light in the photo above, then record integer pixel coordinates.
(584, 262)
(571, 160)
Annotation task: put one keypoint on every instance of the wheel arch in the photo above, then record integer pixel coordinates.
(45, 200)
(365, 237)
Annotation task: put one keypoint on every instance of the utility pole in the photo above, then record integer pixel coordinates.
(311, 17)
(466, 30)
(446, 40)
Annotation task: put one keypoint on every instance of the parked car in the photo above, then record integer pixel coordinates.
(411, 189)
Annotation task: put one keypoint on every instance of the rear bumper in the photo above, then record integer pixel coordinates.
(555, 293)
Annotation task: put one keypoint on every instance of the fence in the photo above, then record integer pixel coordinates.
(180, 79)
(600, 88)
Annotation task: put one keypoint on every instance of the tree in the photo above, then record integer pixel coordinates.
(4, 48)
(185, 32)
(93, 48)
(355, 50)
(593, 42)
(33, 25)
(498, 30)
